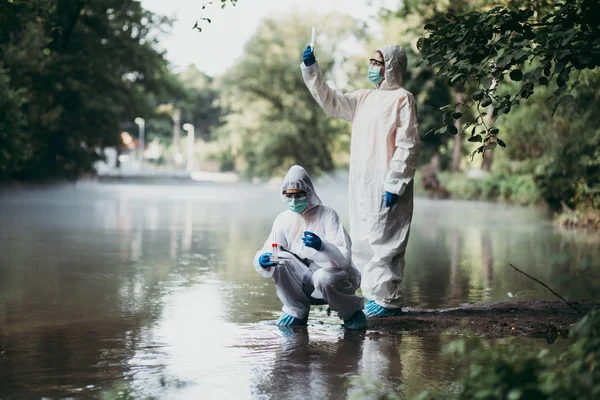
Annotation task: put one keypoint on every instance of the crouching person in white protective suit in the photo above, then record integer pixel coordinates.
(315, 264)
(383, 156)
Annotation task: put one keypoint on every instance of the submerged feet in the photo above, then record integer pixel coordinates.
(356, 321)
(373, 309)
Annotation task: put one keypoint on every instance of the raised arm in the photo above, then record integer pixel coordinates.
(336, 104)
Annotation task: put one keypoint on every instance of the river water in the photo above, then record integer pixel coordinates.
(125, 291)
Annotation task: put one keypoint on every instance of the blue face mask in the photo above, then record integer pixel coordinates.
(297, 205)
(374, 76)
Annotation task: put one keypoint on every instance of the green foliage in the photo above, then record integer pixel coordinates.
(200, 105)
(586, 196)
(196, 96)
(494, 46)
(431, 95)
(78, 70)
(13, 145)
(508, 372)
(562, 151)
(564, 371)
(586, 213)
(208, 4)
(275, 122)
(519, 189)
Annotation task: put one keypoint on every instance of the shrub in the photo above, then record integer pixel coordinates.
(508, 372)
(520, 189)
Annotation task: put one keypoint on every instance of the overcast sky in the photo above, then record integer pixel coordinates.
(221, 42)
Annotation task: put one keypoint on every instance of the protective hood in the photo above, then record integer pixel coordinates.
(395, 66)
(297, 178)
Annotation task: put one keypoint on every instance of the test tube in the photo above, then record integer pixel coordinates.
(274, 257)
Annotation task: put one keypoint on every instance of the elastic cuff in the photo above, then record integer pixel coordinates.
(303, 66)
(393, 189)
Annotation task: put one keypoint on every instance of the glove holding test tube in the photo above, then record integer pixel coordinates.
(312, 240)
(309, 53)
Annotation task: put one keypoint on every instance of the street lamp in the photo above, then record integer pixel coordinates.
(176, 122)
(189, 128)
(141, 123)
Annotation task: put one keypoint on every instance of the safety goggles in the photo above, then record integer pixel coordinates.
(376, 63)
(297, 196)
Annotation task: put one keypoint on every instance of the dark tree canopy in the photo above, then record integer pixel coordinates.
(532, 43)
(71, 72)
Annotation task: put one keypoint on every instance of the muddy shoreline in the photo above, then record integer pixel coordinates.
(541, 319)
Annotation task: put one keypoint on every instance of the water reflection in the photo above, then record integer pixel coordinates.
(140, 291)
(311, 365)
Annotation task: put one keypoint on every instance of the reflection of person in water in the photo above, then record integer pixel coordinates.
(379, 366)
(322, 369)
(313, 369)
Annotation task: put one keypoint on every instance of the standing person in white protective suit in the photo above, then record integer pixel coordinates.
(315, 249)
(383, 156)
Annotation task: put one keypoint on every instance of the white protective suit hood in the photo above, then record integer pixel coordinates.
(297, 178)
(395, 60)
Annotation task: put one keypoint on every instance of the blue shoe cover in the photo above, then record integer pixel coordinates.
(356, 321)
(288, 320)
(373, 309)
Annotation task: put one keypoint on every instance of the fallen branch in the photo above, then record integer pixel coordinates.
(547, 287)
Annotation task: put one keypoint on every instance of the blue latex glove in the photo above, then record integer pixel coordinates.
(265, 260)
(312, 240)
(308, 57)
(390, 199)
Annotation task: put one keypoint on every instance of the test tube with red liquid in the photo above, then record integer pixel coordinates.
(275, 256)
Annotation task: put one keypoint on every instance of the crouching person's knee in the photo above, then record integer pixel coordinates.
(324, 280)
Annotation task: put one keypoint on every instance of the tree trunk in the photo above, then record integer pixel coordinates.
(488, 155)
(487, 262)
(458, 139)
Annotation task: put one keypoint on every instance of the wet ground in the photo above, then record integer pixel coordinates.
(539, 319)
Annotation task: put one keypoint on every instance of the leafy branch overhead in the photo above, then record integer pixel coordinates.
(534, 48)
(209, 4)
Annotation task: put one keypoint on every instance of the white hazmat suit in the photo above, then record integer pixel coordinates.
(384, 152)
(330, 275)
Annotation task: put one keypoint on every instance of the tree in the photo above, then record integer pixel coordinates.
(491, 47)
(275, 122)
(195, 96)
(83, 68)
(13, 146)
(200, 106)
(560, 151)
(15, 150)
